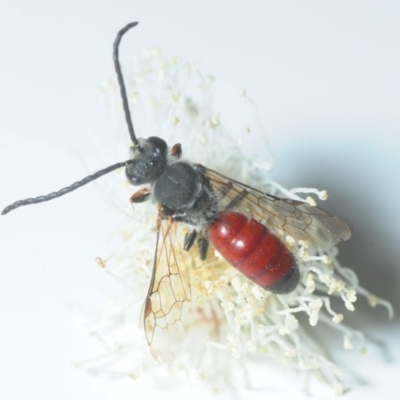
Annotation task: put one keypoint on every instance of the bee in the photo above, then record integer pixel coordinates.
(240, 222)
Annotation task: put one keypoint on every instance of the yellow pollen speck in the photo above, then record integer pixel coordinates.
(326, 260)
(323, 195)
(338, 318)
(351, 295)
(311, 201)
(100, 262)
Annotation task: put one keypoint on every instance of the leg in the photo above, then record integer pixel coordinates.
(189, 240)
(176, 150)
(140, 196)
(202, 243)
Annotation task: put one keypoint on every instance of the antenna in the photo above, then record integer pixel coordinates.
(122, 83)
(68, 189)
(104, 171)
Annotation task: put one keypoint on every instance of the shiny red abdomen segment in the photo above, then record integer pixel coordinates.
(257, 253)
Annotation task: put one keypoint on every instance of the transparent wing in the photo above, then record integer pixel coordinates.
(296, 218)
(168, 293)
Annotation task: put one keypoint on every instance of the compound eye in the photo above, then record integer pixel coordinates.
(159, 145)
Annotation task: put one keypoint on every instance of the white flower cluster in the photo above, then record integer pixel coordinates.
(230, 316)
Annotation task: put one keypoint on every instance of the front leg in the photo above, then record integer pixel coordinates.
(140, 196)
(176, 150)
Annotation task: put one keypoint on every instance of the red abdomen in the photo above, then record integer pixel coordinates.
(257, 253)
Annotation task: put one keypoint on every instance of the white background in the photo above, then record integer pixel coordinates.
(325, 76)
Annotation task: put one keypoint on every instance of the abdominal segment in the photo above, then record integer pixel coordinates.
(257, 253)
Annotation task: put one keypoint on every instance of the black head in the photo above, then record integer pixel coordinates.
(148, 161)
(148, 157)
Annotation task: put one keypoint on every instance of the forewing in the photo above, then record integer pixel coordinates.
(168, 293)
(296, 218)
